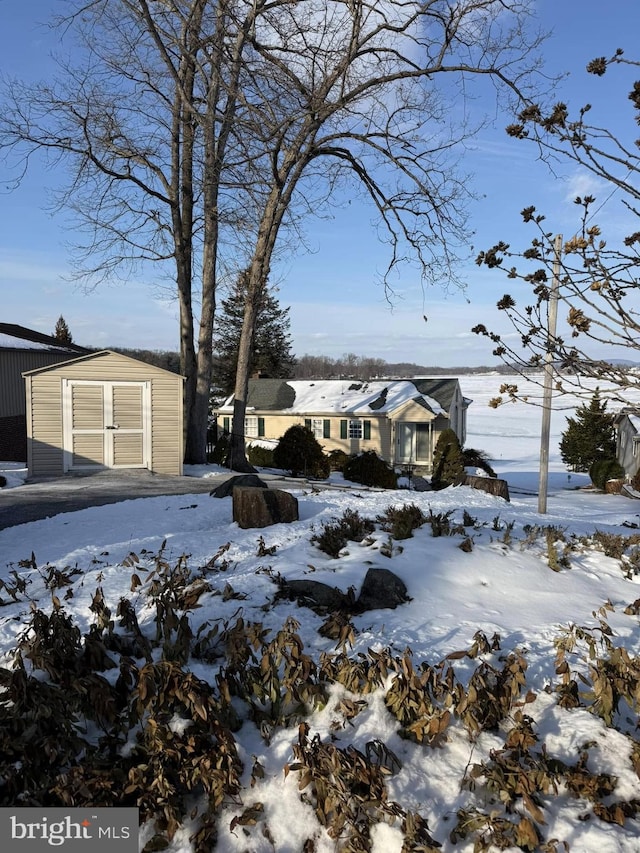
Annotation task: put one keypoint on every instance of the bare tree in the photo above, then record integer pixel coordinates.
(142, 118)
(352, 98)
(197, 132)
(598, 278)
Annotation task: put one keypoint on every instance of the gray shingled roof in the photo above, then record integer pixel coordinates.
(270, 394)
(441, 389)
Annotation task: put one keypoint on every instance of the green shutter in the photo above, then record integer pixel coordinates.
(367, 429)
(343, 429)
(307, 423)
(260, 427)
(326, 429)
(226, 424)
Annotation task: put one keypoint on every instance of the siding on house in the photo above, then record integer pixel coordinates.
(46, 418)
(627, 425)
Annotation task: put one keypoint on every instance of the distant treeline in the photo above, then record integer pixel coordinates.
(348, 366)
(159, 358)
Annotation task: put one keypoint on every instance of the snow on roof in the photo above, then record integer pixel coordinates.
(11, 342)
(331, 396)
(353, 397)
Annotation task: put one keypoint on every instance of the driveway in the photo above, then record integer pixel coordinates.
(39, 499)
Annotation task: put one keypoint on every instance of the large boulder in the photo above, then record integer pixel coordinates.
(381, 589)
(225, 489)
(256, 507)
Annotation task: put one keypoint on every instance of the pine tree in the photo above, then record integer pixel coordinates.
(62, 333)
(589, 435)
(448, 461)
(271, 355)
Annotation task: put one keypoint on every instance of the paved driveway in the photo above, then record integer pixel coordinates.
(44, 498)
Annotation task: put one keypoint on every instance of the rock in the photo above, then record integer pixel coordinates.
(319, 597)
(256, 507)
(380, 589)
(225, 489)
(492, 485)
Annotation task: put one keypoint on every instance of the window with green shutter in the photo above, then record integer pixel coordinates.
(226, 424)
(260, 427)
(367, 429)
(326, 429)
(343, 429)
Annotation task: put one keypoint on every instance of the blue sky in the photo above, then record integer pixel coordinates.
(336, 304)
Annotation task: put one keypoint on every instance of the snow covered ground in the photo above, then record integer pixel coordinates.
(500, 583)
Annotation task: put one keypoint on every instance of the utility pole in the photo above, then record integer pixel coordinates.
(548, 379)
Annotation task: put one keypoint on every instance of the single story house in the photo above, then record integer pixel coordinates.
(627, 427)
(103, 410)
(23, 349)
(399, 419)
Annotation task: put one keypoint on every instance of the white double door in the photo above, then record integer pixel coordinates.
(106, 424)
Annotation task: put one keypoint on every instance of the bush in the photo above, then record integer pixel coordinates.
(401, 521)
(603, 470)
(367, 468)
(351, 527)
(448, 461)
(298, 451)
(261, 457)
(338, 459)
(589, 437)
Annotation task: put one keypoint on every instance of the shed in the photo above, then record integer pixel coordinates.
(103, 410)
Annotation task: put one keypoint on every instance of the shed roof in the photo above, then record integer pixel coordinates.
(298, 396)
(96, 355)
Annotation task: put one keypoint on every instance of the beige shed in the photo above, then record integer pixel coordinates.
(103, 410)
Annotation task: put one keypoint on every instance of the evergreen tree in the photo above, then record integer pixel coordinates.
(62, 333)
(271, 353)
(589, 435)
(448, 462)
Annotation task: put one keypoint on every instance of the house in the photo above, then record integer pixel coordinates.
(627, 426)
(23, 349)
(400, 419)
(103, 410)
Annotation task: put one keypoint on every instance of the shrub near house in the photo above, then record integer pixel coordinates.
(298, 451)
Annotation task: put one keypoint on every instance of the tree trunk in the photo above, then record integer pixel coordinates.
(237, 447)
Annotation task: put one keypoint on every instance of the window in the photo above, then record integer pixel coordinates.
(355, 429)
(253, 427)
(320, 427)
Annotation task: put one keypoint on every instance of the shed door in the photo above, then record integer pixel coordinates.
(106, 425)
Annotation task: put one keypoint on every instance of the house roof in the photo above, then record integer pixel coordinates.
(14, 337)
(336, 396)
